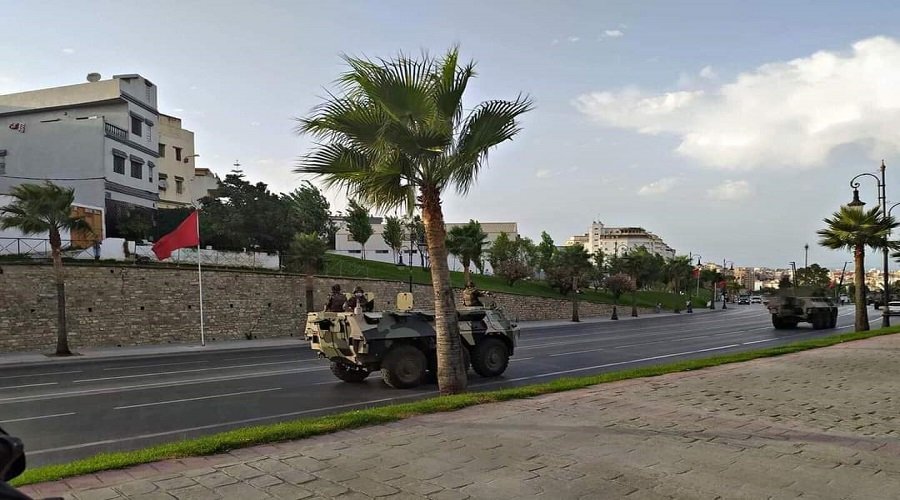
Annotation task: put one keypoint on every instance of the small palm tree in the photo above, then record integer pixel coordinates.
(467, 243)
(396, 134)
(47, 208)
(855, 229)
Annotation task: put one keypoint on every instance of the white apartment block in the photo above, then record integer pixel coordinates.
(620, 240)
(377, 249)
(100, 138)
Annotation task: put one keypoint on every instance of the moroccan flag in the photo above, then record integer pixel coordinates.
(184, 236)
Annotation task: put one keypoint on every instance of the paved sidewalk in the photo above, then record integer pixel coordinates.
(817, 424)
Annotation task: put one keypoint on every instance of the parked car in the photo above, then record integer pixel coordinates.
(756, 299)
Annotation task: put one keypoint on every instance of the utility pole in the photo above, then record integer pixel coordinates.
(806, 259)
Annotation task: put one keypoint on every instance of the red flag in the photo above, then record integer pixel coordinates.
(184, 236)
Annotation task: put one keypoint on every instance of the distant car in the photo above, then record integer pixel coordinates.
(756, 299)
(744, 300)
(894, 307)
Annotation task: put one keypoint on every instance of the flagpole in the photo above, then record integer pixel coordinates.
(200, 281)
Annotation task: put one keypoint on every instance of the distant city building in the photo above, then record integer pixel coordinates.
(619, 240)
(377, 249)
(100, 138)
(746, 276)
(176, 164)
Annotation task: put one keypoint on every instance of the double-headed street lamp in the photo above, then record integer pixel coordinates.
(882, 203)
(690, 304)
(724, 268)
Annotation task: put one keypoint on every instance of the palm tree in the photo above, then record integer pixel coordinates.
(397, 134)
(467, 243)
(307, 254)
(47, 208)
(855, 229)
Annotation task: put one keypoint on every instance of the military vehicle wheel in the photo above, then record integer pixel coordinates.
(820, 321)
(778, 323)
(403, 367)
(347, 374)
(490, 357)
(833, 322)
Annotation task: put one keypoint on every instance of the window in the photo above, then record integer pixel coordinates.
(381, 251)
(137, 124)
(354, 251)
(177, 154)
(162, 150)
(136, 169)
(119, 165)
(179, 185)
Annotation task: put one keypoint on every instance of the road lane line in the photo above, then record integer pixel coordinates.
(38, 374)
(578, 352)
(224, 424)
(760, 341)
(260, 357)
(28, 385)
(36, 418)
(153, 366)
(195, 370)
(619, 363)
(214, 396)
(519, 359)
(154, 385)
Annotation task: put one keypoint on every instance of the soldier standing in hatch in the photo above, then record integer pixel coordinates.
(336, 300)
(358, 300)
(472, 295)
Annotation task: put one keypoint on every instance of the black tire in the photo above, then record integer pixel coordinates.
(778, 323)
(404, 367)
(490, 357)
(347, 374)
(790, 324)
(833, 322)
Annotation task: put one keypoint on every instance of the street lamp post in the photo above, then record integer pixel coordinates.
(690, 304)
(806, 257)
(882, 203)
(723, 281)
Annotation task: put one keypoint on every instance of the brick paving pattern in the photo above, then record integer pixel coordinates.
(817, 424)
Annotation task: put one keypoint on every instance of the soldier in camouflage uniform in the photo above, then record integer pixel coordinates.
(336, 300)
(472, 295)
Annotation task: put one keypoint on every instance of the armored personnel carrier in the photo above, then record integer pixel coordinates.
(788, 310)
(402, 344)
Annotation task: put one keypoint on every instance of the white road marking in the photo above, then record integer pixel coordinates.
(223, 424)
(28, 385)
(519, 359)
(195, 370)
(760, 341)
(259, 357)
(154, 385)
(39, 374)
(153, 366)
(36, 418)
(214, 396)
(563, 372)
(578, 352)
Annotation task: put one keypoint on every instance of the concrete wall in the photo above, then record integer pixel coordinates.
(120, 306)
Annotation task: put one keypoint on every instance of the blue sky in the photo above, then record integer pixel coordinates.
(713, 124)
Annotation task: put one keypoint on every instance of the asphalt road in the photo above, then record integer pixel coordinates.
(73, 410)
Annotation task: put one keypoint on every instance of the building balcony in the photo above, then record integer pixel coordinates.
(114, 132)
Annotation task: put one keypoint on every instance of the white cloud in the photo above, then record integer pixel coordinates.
(661, 186)
(731, 191)
(68, 50)
(573, 39)
(613, 33)
(708, 73)
(543, 173)
(554, 41)
(784, 113)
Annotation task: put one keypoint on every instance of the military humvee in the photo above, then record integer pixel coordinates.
(401, 343)
(788, 310)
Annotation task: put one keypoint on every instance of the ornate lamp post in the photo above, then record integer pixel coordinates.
(724, 301)
(882, 203)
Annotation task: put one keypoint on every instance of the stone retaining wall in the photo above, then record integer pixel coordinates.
(127, 305)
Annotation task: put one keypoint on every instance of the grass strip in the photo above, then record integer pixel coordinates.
(308, 427)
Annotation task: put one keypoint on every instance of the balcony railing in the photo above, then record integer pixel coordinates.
(115, 132)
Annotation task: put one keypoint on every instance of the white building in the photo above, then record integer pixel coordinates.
(378, 250)
(619, 240)
(99, 137)
(176, 163)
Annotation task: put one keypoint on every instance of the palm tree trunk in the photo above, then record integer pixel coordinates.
(859, 281)
(62, 333)
(466, 274)
(575, 318)
(450, 374)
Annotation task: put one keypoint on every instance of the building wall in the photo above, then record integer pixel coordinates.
(122, 306)
(173, 136)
